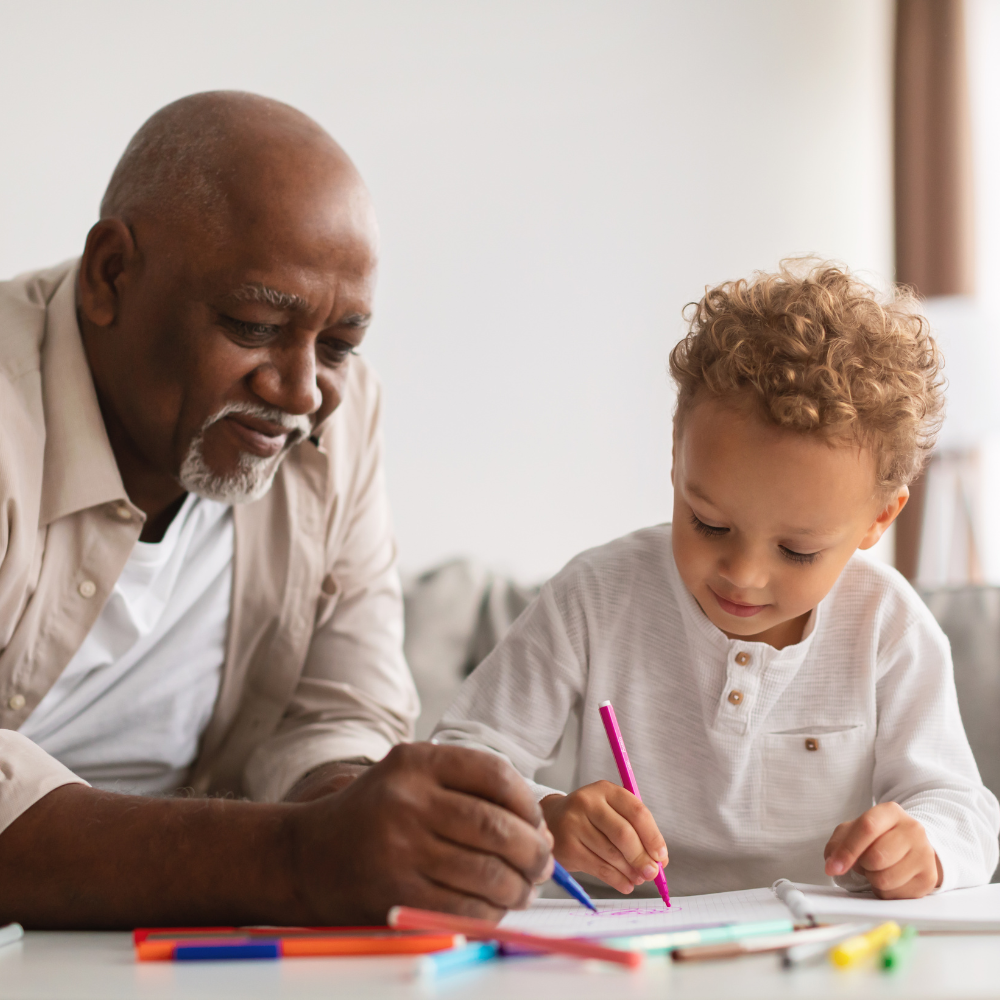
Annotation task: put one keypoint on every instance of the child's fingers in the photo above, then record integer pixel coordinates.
(641, 820)
(594, 864)
(887, 851)
(599, 845)
(851, 840)
(894, 884)
(894, 877)
(622, 834)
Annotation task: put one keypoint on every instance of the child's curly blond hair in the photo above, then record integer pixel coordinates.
(813, 349)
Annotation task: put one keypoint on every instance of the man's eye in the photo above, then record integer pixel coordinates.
(708, 530)
(798, 557)
(251, 332)
(334, 352)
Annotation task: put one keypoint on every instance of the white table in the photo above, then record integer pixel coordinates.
(100, 966)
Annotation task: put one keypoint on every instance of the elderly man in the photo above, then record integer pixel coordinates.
(197, 573)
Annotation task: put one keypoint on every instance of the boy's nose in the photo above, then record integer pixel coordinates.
(744, 572)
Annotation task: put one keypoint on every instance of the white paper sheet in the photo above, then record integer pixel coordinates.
(620, 917)
(960, 909)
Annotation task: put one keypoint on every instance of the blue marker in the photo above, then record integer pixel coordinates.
(198, 952)
(455, 959)
(564, 880)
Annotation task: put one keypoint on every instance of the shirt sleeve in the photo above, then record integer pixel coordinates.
(27, 774)
(356, 697)
(923, 760)
(517, 702)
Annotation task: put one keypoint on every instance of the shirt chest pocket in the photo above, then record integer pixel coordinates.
(815, 779)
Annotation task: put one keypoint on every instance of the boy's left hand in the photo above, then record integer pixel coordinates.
(890, 848)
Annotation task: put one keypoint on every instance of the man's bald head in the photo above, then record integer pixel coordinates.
(186, 158)
(222, 293)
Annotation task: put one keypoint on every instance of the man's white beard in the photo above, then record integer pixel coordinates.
(253, 475)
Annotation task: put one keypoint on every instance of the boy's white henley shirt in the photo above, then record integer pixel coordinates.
(747, 756)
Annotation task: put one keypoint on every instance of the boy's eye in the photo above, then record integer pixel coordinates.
(708, 530)
(799, 557)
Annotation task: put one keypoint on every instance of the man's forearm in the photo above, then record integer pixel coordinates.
(437, 827)
(85, 858)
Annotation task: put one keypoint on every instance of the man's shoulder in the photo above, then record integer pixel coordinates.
(24, 301)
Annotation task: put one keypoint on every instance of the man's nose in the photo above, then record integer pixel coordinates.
(288, 382)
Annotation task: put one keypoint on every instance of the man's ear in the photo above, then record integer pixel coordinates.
(889, 514)
(110, 249)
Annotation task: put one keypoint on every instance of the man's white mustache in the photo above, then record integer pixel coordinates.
(296, 426)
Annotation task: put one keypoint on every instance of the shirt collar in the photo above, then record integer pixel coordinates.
(80, 470)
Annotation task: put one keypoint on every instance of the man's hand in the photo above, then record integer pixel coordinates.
(604, 830)
(890, 848)
(439, 827)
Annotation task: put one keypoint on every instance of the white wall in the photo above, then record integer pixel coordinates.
(554, 180)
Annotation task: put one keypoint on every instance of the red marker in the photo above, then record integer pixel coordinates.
(628, 778)
(407, 918)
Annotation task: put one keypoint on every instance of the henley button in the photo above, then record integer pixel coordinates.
(812, 743)
(742, 659)
(735, 697)
(16, 702)
(87, 588)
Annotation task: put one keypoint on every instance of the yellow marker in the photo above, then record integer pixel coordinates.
(858, 948)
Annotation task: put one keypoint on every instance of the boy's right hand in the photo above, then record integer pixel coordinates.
(604, 830)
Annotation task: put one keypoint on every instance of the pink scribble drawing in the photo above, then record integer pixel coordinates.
(638, 913)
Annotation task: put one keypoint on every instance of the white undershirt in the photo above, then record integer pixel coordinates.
(129, 709)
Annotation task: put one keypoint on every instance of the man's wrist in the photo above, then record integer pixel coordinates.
(327, 779)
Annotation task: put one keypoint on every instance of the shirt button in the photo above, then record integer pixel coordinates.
(742, 659)
(735, 697)
(812, 743)
(122, 512)
(87, 588)
(16, 702)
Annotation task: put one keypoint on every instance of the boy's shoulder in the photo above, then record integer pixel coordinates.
(639, 561)
(868, 589)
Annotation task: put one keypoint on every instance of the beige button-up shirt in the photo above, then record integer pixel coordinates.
(314, 668)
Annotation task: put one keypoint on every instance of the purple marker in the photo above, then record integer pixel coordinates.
(628, 778)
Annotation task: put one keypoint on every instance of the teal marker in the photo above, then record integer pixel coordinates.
(654, 944)
(454, 959)
(896, 954)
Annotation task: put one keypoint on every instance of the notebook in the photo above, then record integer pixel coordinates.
(975, 909)
(626, 917)
(958, 910)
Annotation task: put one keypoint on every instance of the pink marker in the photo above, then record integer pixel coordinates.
(628, 778)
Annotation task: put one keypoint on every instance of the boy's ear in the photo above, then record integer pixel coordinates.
(889, 514)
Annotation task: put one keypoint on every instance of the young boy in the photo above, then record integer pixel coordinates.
(788, 705)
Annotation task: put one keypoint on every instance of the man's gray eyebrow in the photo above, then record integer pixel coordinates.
(356, 319)
(255, 292)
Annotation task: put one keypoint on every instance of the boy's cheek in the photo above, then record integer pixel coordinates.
(694, 563)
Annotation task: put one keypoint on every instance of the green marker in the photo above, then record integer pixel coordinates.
(896, 954)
